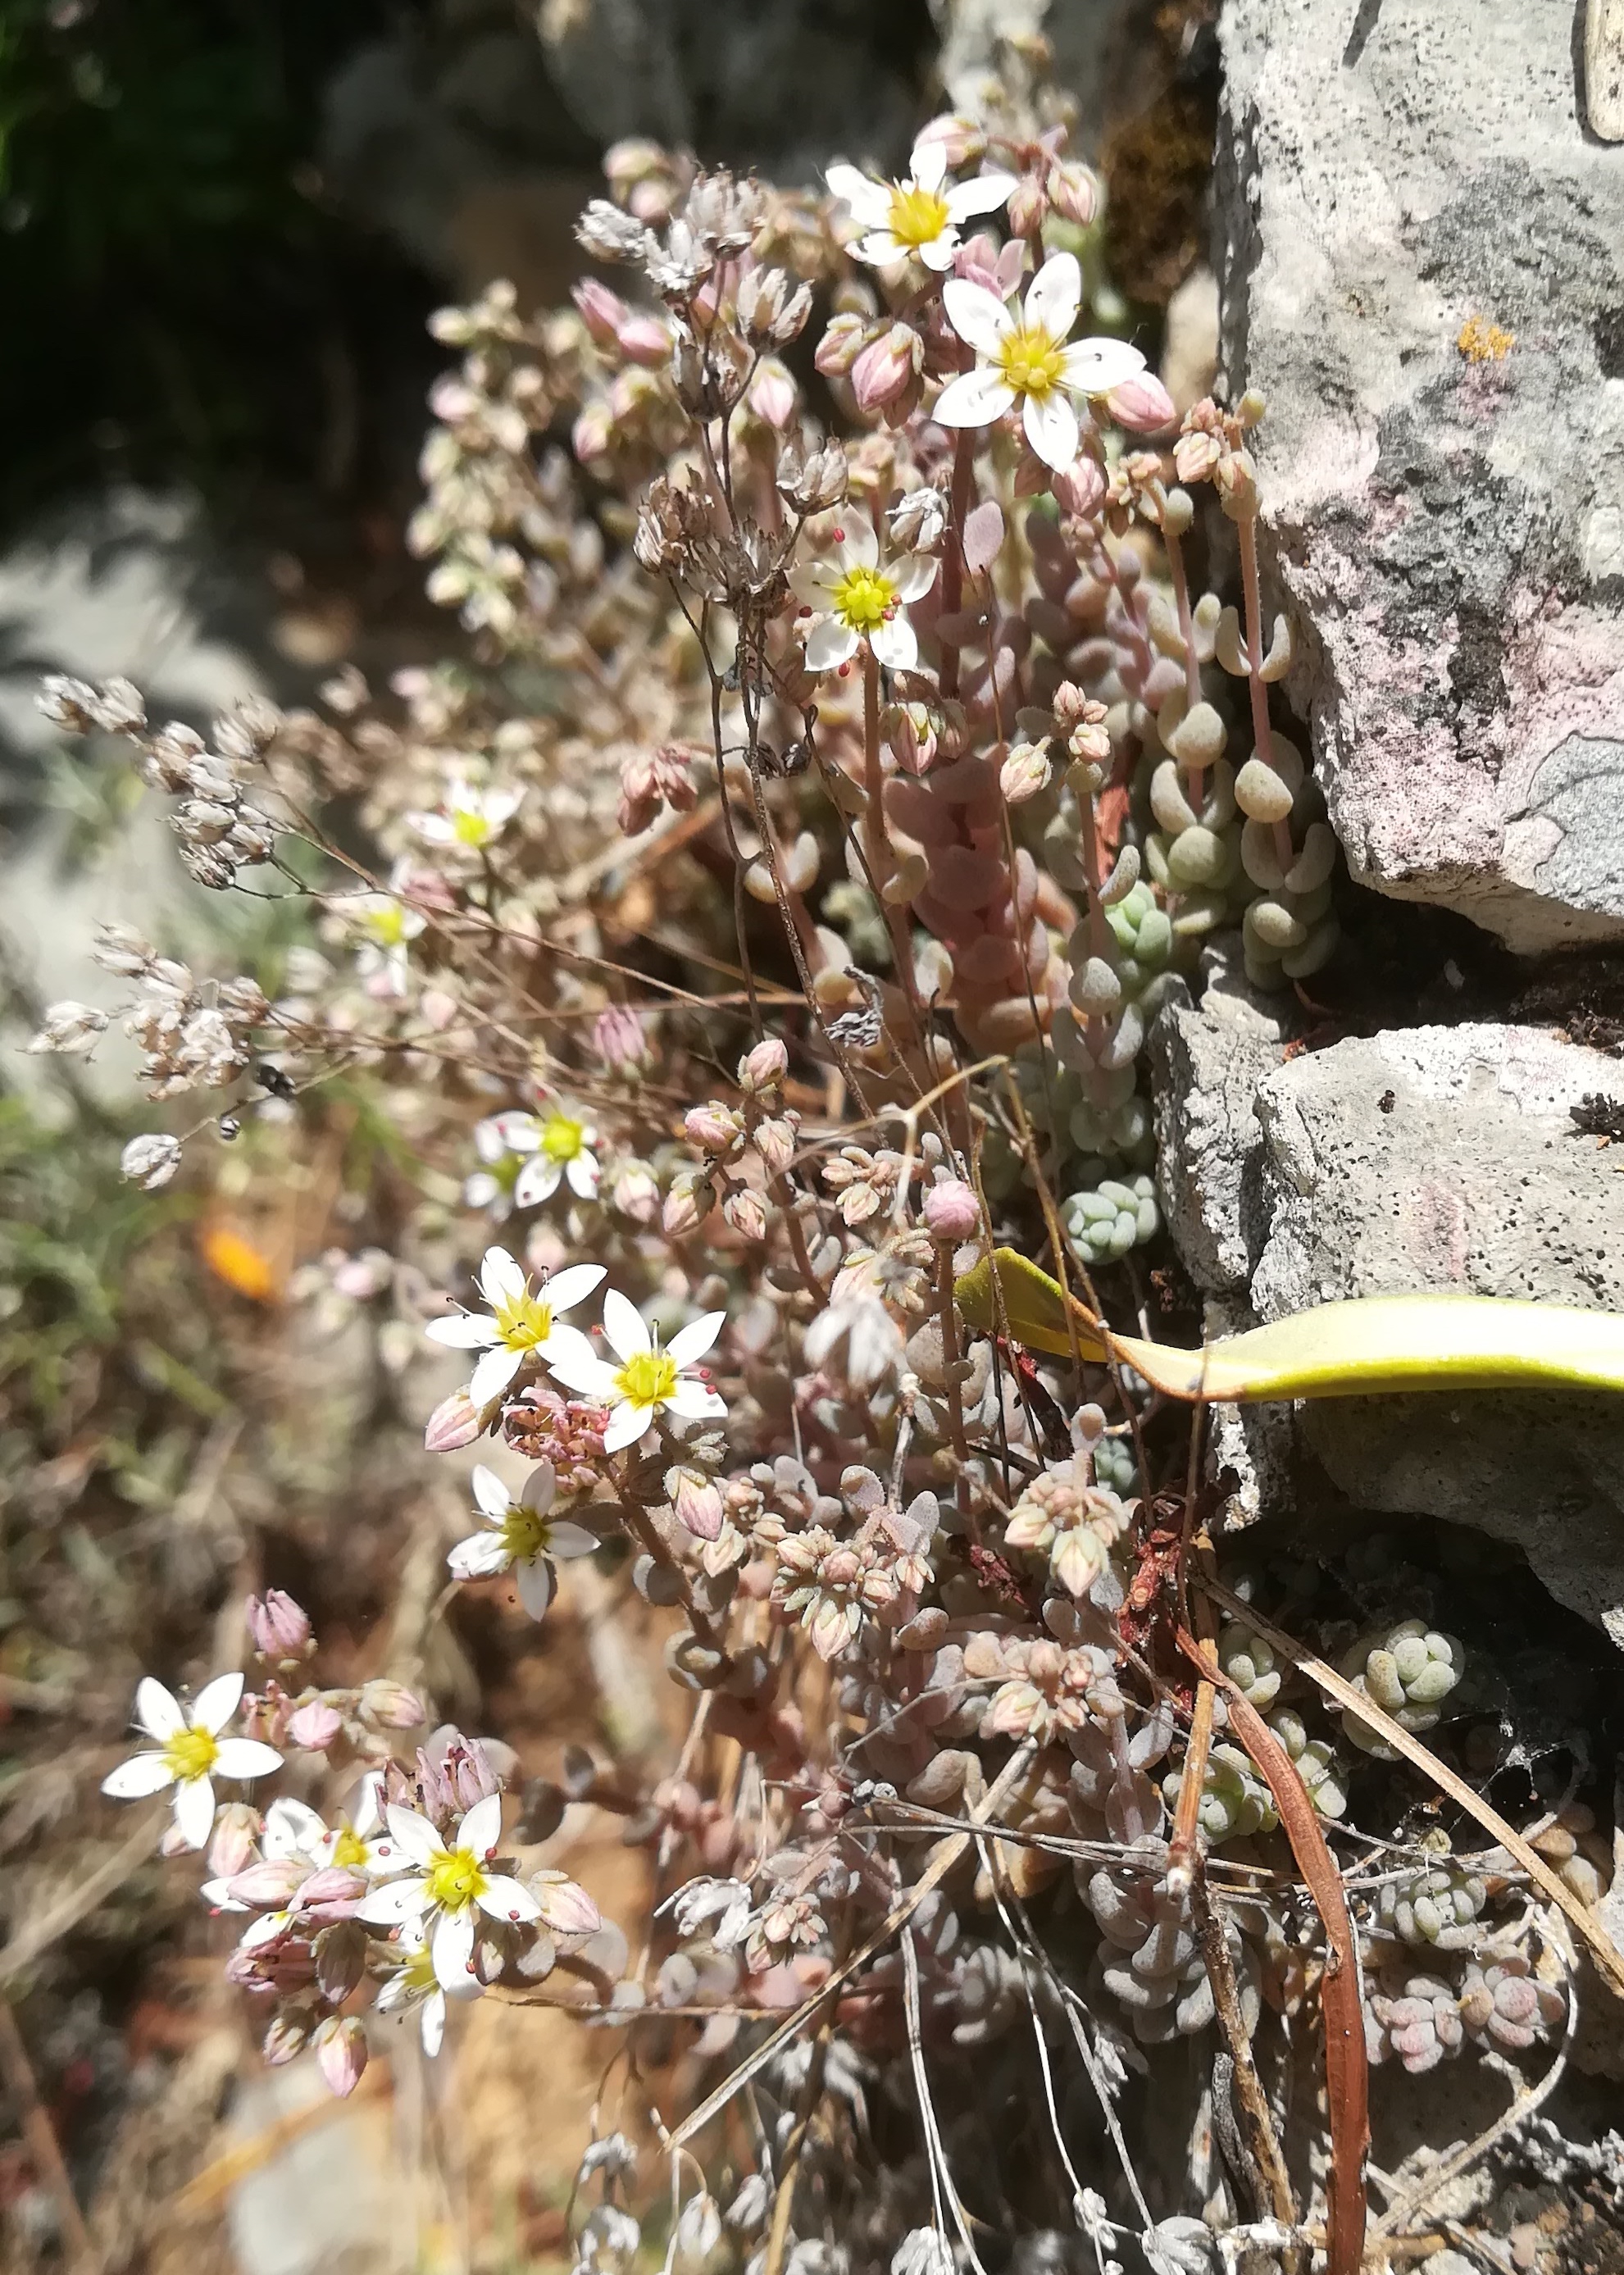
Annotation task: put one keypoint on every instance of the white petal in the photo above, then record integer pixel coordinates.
(157, 1711)
(537, 1181)
(433, 2023)
(500, 1280)
(504, 1899)
(490, 1493)
(246, 1757)
(291, 1829)
(829, 645)
(1095, 367)
(194, 1812)
(976, 314)
(540, 1487)
(463, 1331)
(366, 1805)
(915, 573)
(583, 1175)
(1054, 295)
(975, 399)
(481, 1828)
(452, 1944)
(809, 581)
(869, 201)
(412, 1833)
(215, 1703)
(694, 1402)
(517, 1132)
(881, 249)
(623, 1326)
(266, 1929)
(984, 194)
(858, 545)
(141, 1775)
(572, 1286)
(493, 1374)
(627, 1424)
(895, 645)
(565, 1540)
(479, 1557)
(1051, 426)
(480, 1191)
(392, 1906)
(928, 165)
(218, 1897)
(533, 1579)
(693, 1340)
(579, 1369)
(938, 253)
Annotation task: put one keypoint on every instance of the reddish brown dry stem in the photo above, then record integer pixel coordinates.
(1346, 2066)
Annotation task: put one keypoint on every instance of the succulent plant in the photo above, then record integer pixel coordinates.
(1248, 1662)
(1105, 1219)
(1409, 1670)
(1234, 1800)
(1316, 1761)
(1438, 1906)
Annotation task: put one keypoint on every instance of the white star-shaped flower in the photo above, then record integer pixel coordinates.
(518, 1325)
(446, 1881)
(850, 597)
(387, 928)
(647, 1381)
(919, 215)
(562, 1152)
(467, 816)
(518, 1538)
(1027, 360)
(503, 1142)
(190, 1753)
(414, 1984)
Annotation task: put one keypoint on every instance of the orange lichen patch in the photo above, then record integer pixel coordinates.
(234, 1258)
(1483, 343)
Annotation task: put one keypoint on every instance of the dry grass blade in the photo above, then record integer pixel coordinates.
(1257, 2122)
(1602, 1950)
(1346, 2064)
(941, 1864)
(40, 2139)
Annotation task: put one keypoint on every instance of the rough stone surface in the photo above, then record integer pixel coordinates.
(1206, 1066)
(1445, 1158)
(1449, 530)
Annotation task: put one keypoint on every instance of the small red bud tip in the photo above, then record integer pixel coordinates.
(470, 1968)
(840, 537)
(804, 611)
(845, 671)
(512, 1916)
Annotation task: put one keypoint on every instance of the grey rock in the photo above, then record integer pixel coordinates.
(1471, 1179)
(1207, 1067)
(1448, 531)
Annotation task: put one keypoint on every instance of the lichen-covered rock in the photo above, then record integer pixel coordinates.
(1422, 271)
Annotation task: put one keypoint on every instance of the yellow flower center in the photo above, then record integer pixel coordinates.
(191, 1754)
(647, 1378)
(525, 1533)
(349, 1850)
(455, 1879)
(419, 1971)
(387, 925)
(1032, 360)
(563, 1139)
(524, 1323)
(917, 216)
(470, 826)
(863, 600)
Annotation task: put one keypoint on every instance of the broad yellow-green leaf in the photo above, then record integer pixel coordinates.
(1341, 1350)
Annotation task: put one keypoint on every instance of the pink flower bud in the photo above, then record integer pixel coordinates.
(390, 1706)
(952, 1211)
(699, 1504)
(340, 2052)
(763, 1066)
(237, 1830)
(1142, 405)
(1024, 773)
(687, 1205)
(333, 1892)
(591, 433)
(774, 1141)
(1081, 489)
(1029, 205)
(288, 2035)
(644, 339)
(566, 1907)
(315, 1726)
(888, 368)
(618, 1037)
(743, 1210)
(279, 1629)
(340, 1953)
(960, 138)
(602, 311)
(469, 1769)
(271, 1884)
(1073, 192)
(714, 1126)
(635, 1192)
(841, 345)
(913, 738)
(454, 1423)
(771, 393)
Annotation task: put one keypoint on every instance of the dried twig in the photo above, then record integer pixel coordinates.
(39, 2136)
(82, 1898)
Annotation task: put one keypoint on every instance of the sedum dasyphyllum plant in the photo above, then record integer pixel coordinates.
(770, 909)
